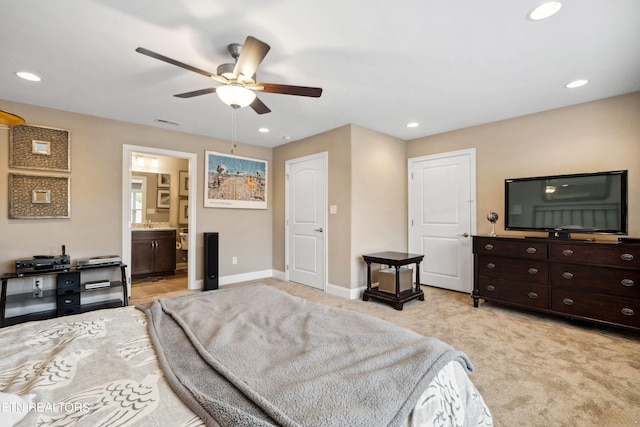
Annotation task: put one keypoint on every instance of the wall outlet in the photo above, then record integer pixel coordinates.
(234, 260)
(37, 286)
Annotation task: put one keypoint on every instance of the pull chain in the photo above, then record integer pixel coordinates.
(233, 130)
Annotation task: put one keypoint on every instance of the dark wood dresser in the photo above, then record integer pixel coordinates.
(592, 281)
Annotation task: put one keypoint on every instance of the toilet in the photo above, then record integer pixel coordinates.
(184, 238)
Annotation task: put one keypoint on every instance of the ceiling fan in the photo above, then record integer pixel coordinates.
(239, 79)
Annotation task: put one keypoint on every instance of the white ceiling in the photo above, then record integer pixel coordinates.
(444, 64)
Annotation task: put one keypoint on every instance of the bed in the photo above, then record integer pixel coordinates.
(251, 355)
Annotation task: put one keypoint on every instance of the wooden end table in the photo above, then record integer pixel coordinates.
(397, 260)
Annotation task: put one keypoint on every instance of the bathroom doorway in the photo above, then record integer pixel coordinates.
(180, 216)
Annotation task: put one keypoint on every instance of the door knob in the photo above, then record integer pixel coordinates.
(318, 229)
(465, 234)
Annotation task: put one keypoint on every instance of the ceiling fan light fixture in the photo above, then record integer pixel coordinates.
(236, 96)
(8, 119)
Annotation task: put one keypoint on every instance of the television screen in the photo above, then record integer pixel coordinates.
(580, 203)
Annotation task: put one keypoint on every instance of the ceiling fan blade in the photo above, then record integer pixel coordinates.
(259, 107)
(252, 54)
(173, 61)
(196, 93)
(313, 92)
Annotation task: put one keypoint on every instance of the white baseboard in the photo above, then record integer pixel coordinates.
(343, 292)
(331, 289)
(227, 280)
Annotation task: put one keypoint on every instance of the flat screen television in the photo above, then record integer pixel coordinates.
(591, 203)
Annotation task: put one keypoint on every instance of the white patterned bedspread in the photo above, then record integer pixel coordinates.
(99, 369)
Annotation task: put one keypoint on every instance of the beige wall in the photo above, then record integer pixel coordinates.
(367, 183)
(379, 197)
(372, 207)
(595, 136)
(336, 144)
(95, 227)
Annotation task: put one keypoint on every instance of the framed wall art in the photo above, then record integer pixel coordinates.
(234, 182)
(183, 213)
(184, 183)
(39, 196)
(164, 180)
(164, 199)
(39, 147)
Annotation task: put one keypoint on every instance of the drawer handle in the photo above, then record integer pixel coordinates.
(491, 266)
(567, 301)
(627, 312)
(531, 250)
(68, 282)
(567, 275)
(626, 257)
(532, 295)
(627, 282)
(533, 270)
(567, 252)
(68, 301)
(491, 288)
(488, 246)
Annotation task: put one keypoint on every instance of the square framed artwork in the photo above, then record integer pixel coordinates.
(39, 147)
(164, 180)
(234, 182)
(164, 199)
(39, 196)
(184, 183)
(183, 213)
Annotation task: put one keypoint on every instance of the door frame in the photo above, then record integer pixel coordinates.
(325, 226)
(473, 205)
(127, 159)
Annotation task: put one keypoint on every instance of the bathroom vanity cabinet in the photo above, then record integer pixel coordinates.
(153, 252)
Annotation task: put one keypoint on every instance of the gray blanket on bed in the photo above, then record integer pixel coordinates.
(257, 356)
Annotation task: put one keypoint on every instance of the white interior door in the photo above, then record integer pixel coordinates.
(442, 217)
(306, 220)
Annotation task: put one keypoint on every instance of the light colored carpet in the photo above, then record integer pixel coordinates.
(531, 369)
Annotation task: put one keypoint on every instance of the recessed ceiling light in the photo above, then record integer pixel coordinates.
(263, 130)
(545, 10)
(287, 138)
(412, 125)
(28, 76)
(576, 83)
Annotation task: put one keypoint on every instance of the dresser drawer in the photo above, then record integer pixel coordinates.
(68, 282)
(607, 280)
(518, 270)
(596, 253)
(510, 248)
(623, 311)
(527, 294)
(68, 304)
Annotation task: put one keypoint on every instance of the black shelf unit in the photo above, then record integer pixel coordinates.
(51, 294)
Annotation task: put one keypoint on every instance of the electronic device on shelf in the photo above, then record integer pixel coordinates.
(43, 264)
(102, 260)
(98, 284)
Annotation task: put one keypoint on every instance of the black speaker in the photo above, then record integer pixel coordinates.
(210, 261)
